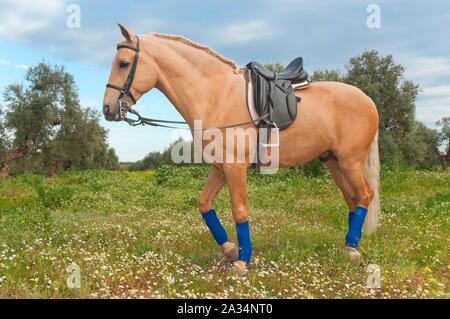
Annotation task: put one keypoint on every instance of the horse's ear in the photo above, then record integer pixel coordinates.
(127, 34)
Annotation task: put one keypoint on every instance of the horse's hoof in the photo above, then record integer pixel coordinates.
(230, 251)
(354, 255)
(240, 267)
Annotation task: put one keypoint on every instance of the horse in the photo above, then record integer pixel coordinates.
(334, 118)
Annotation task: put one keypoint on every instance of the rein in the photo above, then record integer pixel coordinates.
(155, 122)
(124, 107)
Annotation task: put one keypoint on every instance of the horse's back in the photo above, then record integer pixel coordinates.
(339, 93)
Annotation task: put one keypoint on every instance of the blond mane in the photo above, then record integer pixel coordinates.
(204, 48)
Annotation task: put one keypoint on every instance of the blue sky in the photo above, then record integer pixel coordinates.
(325, 32)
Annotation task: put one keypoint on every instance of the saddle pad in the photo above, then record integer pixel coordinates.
(251, 100)
(301, 85)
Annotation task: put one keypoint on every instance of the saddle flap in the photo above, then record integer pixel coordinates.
(275, 98)
(285, 86)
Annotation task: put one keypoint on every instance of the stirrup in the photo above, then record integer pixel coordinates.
(277, 131)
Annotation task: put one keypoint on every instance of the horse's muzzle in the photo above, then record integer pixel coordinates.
(111, 116)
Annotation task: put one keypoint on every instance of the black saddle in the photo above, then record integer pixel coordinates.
(273, 93)
(293, 72)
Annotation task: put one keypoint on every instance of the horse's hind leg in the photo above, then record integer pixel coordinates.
(350, 199)
(353, 172)
(341, 182)
(216, 180)
(352, 169)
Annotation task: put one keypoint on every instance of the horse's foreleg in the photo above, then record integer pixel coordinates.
(236, 176)
(216, 180)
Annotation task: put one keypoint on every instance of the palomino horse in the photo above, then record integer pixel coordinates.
(333, 118)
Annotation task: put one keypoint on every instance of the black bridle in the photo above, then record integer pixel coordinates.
(126, 88)
(124, 107)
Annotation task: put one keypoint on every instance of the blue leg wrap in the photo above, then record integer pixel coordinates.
(350, 217)
(356, 222)
(216, 228)
(245, 244)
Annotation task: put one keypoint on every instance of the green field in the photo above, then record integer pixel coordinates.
(138, 234)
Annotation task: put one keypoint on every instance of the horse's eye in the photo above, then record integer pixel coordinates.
(124, 64)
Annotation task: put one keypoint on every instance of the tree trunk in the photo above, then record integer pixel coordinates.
(53, 168)
(446, 158)
(5, 166)
(67, 164)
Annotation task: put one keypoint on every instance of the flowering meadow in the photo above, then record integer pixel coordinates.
(139, 235)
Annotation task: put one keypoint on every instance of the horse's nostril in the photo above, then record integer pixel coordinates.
(106, 109)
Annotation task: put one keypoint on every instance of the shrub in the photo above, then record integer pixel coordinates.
(53, 196)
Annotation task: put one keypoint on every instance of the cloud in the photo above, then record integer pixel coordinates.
(431, 111)
(91, 103)
(96, 47)
(437, 91)
(432, 73)
(243, 32)
(17, 66)
(43, 25)
(433, 104)
(423, 67)
(21, 19)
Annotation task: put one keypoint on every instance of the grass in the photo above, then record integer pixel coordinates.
(139, 235)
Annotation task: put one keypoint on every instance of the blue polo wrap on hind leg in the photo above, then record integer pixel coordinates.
(356, 221)
(216, 228)
(245, 244)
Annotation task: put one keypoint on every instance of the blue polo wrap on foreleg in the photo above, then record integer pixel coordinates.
(356, 221)
(216, 228)
(350, 217)
(245, 244)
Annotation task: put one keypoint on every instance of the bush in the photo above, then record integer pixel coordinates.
(53, 196)
(314, 168)
(174, 176)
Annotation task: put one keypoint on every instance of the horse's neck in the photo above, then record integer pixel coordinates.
(192, 79)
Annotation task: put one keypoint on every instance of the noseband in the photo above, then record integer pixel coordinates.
(126, 88)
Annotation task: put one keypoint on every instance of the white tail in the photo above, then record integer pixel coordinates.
(372, 172)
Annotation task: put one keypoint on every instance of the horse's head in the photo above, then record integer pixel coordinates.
(132, 75)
